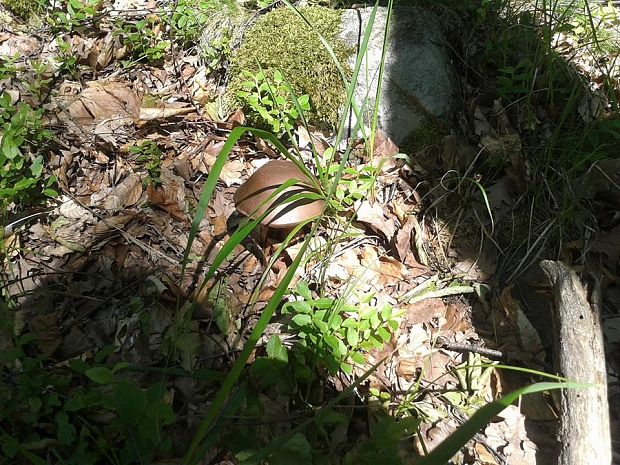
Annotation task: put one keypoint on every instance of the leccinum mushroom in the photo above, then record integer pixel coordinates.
(252, 197)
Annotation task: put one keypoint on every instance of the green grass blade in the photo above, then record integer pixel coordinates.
(375, 113)
(244, 230)
(448, 448)
(208, 188)
(220, 400)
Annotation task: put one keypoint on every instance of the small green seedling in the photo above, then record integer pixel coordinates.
(337, 333)
(269, 101)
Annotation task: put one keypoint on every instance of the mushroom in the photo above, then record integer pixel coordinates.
(252, 197)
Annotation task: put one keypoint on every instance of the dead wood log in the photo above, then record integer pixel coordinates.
(584, 433)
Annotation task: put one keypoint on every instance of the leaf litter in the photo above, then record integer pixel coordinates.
(106, 259)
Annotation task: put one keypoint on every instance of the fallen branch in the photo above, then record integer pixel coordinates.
(584, 433)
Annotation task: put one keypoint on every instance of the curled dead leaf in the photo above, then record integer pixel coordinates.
(110, 224)
(126, 194)
(373, 215)
(169, 195)
(153, 114)
(384, 146)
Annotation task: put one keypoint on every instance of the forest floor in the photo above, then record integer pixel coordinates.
(408, 308)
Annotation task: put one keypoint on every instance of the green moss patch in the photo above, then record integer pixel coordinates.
(280, 40)
(429, 133)
(22, 8)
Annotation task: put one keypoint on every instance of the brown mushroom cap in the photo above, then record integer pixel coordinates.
(251, 197)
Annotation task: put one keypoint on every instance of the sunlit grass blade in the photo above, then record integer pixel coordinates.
(245, 229)
(220, 399)
(208, 188)
(483, 416)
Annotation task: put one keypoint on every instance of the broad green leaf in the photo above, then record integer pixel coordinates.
(302, 319)
(130, 402)
(334, 343)
(303, 290)
(276, 350)
(346, 368)
(353, 337)
(101, 375)
(358, 357)
(384, 334)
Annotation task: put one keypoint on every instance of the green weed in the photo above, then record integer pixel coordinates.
(51, 412)
(69, 15)
(150, 155)
(144, 41)
(268, 101)
(22, 180)
(334, 334)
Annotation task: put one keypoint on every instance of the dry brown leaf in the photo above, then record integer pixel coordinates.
(423, 311)
(80, 47)
(457, 320)
(182, 167)
(104, 101)
(529, 340)
(403, 240)
(169, 196)
(111, 224)
(103, 51)
(237, 118)
(387, 269)
(204, 161)
(126, 194)
(231, 172)
(308, 140)
(152, 114)
(219, 225)
(20, 45)
(384, 147)
(512, 438)
(456, 153)
(478, 267)
(71, 209)
(373, 215)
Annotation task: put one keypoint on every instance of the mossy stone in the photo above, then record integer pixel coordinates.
(281, 40)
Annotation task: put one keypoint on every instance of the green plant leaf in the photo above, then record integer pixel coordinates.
(101, 375)
(303, 290)
(353, 337)
(302, 319)
(103, 353)
(450, 446)
(276, 350)
(130, 402)
(346, 368)
(357, 357)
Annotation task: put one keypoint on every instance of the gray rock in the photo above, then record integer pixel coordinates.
(418, 81)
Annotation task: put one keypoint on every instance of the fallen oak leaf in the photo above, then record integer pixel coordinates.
(110, 224)
(104, 101)
(384, 146)
(169, 195)
(126, 194)
(373, 215)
